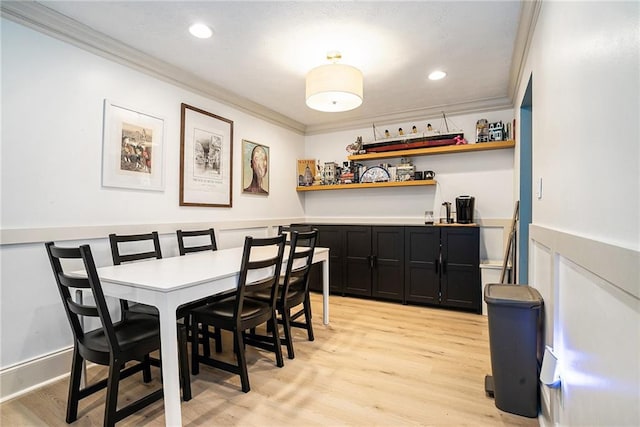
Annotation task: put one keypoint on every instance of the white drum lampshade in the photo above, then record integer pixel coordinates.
(334, 88)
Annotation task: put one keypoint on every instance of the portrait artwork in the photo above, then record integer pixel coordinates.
(255, 168)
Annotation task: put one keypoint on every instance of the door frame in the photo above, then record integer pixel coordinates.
(526, 183)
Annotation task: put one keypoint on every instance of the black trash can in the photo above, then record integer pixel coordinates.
(515, 343)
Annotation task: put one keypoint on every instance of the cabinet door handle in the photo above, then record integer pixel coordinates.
(372, 261)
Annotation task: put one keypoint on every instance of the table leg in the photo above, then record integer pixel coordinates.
(170, 370)
(325, 291)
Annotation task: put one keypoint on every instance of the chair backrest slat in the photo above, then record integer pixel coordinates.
(73, 282)
(262, 263)
(82, 309)
(212, 246)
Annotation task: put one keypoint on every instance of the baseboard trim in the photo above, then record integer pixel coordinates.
(19, 379)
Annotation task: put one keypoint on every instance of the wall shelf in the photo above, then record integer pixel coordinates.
(367, 185)
(480, 146)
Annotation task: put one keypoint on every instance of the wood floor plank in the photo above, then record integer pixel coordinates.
(376, 364)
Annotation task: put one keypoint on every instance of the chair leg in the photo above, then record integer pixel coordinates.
(276, 341)
(111, 404)
(74, 387)
(184, 363)
(218, 337)
(206, 337)
(204, 333)
(195, 346)
(238, 343)
(307, 316)
(146, 369)
(286, 324)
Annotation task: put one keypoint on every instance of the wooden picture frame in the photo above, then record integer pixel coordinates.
(206, 158)
(255, 168)
(132, 149)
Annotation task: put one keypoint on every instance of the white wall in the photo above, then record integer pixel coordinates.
(53, 93)
(585, 62)
(52, 109)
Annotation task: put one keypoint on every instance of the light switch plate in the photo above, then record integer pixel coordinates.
(539, 189)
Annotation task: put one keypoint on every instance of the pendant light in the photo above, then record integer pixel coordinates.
(334, 87)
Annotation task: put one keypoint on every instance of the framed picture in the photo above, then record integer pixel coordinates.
(206, 150)
(255, 168)
(132, 149)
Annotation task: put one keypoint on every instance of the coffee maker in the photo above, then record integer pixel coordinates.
(464, 209)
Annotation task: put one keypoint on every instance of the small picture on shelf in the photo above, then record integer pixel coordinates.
(306, 171)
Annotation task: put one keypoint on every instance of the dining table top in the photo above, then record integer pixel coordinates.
(173, 273)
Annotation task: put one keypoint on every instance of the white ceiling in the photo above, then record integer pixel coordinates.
(260, 52)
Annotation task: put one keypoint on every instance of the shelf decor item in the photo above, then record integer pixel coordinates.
(132, 149)
(415, 140)
(428, 151)
(375, 174)
(306, 172)
(206, 149)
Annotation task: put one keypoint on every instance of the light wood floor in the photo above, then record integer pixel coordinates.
(376, 364)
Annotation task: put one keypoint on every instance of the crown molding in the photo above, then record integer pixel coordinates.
(526, 26)
(40, 18)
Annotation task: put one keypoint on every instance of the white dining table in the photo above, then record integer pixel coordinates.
(168, 283)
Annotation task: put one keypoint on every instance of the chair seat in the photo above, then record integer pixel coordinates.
(139, 334)
(251, 310)
(295, 294)
(182, 311)
(138, 307)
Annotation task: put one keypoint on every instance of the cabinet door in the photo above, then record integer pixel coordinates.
(460, 283)
(332, 237)
(388, 262)
(358, 260)
(422, 253)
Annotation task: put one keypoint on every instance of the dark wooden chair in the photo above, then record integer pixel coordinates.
(287, 229)
(194, 236)
(294, 289)
(127, 248)
(238, 314)
(212, 246)
(111, 344)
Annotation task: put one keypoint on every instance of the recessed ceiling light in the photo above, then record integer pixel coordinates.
(437, 75)
(200, 31)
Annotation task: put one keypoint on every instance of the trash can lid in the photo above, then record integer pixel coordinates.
(512, 295)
